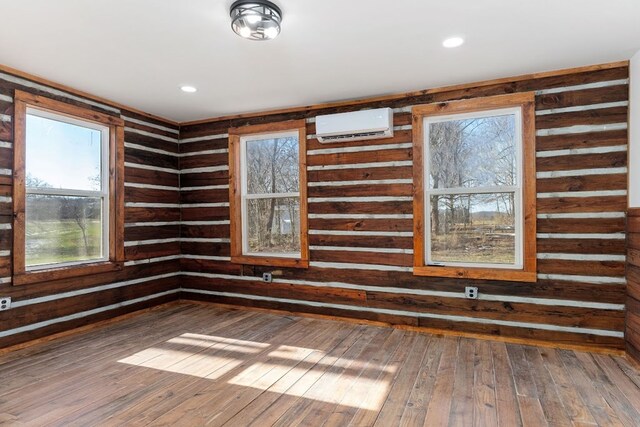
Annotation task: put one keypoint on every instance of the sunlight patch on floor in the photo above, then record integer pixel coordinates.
(337, 388)
(198, 355)
(339, 362)
(215, 339)
(296, 371)
(352, 383)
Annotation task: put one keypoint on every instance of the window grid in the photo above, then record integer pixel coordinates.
(246, 196)
(102, 194)
(515, 190)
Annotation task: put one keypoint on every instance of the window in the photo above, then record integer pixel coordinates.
(474, 177)
(268, 194)
(68, 206)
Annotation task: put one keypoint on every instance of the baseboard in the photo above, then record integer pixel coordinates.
(432, 331)
(91, 324)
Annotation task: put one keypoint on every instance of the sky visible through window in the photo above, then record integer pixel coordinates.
(62, 155)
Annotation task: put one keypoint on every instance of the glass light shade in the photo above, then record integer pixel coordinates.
(255, 20)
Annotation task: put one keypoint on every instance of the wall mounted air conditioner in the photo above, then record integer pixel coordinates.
(354, 126)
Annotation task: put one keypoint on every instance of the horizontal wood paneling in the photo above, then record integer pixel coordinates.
(574, 98)
(570, 290)
(150, 158)
(390, 207)
(588, 117)
(587, 268)
(356, 271)
(581, 225)
(50, 307)
(205, 248)
(146, 214)
(208, 214)
(133, 137)
(378, 173)
(216, 230)
(582, 161)
(582, 140)
(205, 196)
(360, 242)
(143, 251)
(583, 183)
(363, 257)
(151, 195)
(632, 331)
(204, 178)
(151, 232)
(359, 157)
(362, 190)
(559, 338)
(583, 246)
(363, 241)
(582, 204)
(361, 224)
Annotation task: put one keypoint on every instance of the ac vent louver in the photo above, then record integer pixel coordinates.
(353, 136)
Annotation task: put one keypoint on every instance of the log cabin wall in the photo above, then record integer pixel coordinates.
(579, 297)
(632, 332)
(152, 216)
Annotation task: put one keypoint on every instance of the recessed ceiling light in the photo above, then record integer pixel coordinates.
(188, 89)
(453, 42)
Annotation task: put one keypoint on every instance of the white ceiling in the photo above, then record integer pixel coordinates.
(138, 52)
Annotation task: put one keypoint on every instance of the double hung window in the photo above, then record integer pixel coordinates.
(476, 180)
(268, 194)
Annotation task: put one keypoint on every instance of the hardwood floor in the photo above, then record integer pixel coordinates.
(192, 364)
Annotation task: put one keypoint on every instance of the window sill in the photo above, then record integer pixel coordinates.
(476, 273)
(67, 272)
(270, 262)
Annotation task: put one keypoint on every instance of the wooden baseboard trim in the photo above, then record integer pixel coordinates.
(85, 328)
(437, 332)
(432, 331)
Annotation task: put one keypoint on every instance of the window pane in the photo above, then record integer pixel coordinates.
(62, 155)
(274, 225)
(473, 228)
(62, 229)
(473, 152)
(273, 165)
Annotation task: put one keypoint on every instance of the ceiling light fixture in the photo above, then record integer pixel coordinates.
(453, 42)
(255, 19)
(188, 89)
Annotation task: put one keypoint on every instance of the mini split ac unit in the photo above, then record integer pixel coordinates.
(354, 126)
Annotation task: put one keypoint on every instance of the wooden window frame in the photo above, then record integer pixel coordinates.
(526, 102)
(23, 101)
(235, 194)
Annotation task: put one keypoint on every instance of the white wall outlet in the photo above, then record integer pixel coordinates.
(266, 277)
(5, 303)
(471, 292)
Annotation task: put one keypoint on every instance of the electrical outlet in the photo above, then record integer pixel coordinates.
(471, 292)
(266, 277)
(5, 303)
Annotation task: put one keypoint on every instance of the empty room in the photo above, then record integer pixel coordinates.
(319, 213)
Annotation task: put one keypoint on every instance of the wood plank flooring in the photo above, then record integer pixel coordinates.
(190, 364)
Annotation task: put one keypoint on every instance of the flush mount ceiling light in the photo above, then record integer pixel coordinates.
(188, 89)
(255, 20)
(453, 42)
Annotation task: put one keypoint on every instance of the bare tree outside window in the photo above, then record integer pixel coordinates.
(272, 198)
(472, 187)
